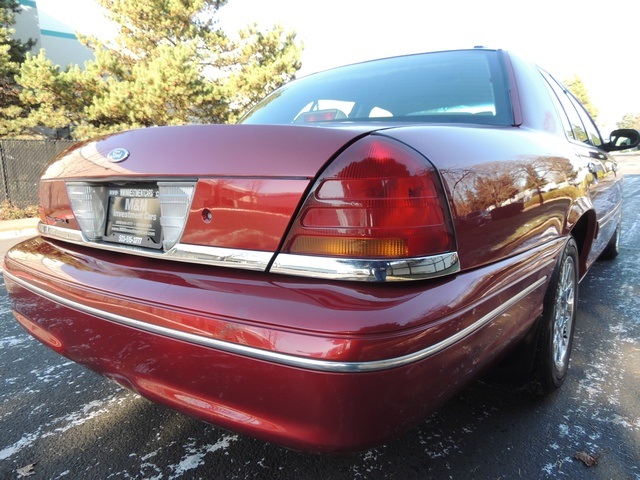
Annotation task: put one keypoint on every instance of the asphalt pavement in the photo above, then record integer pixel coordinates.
(58, 420)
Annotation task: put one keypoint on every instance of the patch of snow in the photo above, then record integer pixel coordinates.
(195, 455)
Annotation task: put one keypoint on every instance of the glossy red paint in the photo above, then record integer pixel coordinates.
(203, 150)
(251, 206)
(242, 213)
(54, 205)
(340, 322)
(303, 409)
(322, 365)
(507, 215)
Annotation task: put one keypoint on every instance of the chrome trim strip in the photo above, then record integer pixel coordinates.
(367, 270)
(203, 255)
(282, 358)
(221, 257)
(288, 264)
(66, 234)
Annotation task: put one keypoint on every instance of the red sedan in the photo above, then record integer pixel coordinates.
(324, 275)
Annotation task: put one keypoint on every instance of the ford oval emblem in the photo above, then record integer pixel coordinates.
(118, 155)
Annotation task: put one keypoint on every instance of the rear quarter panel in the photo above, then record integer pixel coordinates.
(509, 188)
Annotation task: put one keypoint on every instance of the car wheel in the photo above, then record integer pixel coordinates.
(613, 247)
(558, 323)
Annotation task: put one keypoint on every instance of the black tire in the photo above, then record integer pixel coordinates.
(557, 323)
(612, 249)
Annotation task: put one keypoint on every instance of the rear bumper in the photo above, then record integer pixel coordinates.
(308, 364)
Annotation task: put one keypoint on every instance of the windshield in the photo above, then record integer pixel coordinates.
(459, 86)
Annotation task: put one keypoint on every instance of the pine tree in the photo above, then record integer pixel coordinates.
(576, 87)
(12, 54)
(170, 64)
(630, 120)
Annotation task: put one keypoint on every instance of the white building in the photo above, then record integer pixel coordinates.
(54, 23)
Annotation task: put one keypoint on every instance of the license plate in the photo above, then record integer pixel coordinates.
(134, 217)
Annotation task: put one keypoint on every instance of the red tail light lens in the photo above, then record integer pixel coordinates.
(378, 199)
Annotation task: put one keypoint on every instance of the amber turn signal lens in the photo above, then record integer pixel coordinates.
(352, 247)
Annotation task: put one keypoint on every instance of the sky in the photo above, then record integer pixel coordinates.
(596, 40)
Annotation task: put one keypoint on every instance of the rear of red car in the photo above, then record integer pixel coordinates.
(299, 359)
(299, 283)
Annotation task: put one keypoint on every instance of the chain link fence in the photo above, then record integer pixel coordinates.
(22, 163)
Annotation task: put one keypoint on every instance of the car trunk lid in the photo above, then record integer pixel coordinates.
(250, 151)
(207, 194)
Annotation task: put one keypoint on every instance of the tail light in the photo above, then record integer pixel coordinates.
(378, 200)
(377, 209)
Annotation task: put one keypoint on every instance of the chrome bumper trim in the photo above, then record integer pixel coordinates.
(183, 252)
(299, 265)
(367, 270)
(282, 358)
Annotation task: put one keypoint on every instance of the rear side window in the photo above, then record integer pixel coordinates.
(462, 86)
(593, 135)
(578, 124)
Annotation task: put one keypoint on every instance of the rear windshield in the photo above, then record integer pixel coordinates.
(465, 86)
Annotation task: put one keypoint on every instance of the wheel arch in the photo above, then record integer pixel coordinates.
(584, 230)
(519, 364)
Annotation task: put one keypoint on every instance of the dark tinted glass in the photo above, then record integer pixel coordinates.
(462, 86)
(582, 127)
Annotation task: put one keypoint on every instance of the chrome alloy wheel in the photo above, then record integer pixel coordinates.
(564, 315)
